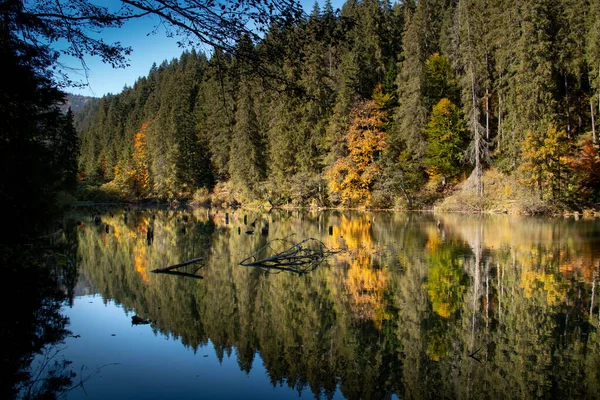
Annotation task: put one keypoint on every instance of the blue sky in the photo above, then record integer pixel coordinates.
(147, 49)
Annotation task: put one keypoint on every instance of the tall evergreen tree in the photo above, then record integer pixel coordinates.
(247, 159)
(215, 112)
(36, 139)
(569, 47)
(592, 55)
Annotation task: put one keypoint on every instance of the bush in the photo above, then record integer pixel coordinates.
(223, 195)
(502, 194)
(201, 197)
(381, 199)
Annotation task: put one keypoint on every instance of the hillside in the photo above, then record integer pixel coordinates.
(378, 105)
(77, 102)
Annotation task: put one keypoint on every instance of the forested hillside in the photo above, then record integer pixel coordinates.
(377, 105)
(76, 102)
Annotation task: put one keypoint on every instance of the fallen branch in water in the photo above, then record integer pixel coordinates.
(284, 255)
(184, 274)
(183, 264)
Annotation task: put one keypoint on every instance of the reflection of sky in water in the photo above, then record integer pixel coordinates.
(398, 311)
(152, 366)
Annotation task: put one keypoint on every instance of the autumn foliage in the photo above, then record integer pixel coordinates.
(353, 176)
(587, 167)
(132, 175)
(139, 172)
(545, 162)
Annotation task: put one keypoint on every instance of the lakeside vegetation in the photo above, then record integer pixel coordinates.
(457, 105)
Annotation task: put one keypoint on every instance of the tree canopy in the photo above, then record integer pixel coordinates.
(461, 92)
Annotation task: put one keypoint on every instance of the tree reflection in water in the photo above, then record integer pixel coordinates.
(472, 307)
(35, 285)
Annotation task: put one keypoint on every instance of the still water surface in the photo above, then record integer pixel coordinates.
(414, 306)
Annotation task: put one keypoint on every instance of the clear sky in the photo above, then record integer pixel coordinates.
(147, 49)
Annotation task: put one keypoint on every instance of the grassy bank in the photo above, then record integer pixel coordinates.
(503, 194)
(506, 194)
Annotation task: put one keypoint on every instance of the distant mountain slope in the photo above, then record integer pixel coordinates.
(83, 107)
(77, 102)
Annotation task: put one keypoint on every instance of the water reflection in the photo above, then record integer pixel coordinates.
(37, 280)
(416, 306)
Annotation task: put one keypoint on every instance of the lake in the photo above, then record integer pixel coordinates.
(411, 306)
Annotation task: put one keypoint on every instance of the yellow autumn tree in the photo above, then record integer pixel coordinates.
(140, 173)
(353, 176)
(545, 161)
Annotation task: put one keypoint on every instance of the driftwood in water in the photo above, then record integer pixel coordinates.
(171, 267)
(284, 255)
(184, 274)
(137, 320)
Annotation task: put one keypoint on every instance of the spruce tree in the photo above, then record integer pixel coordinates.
(592, 55)
(407, 142)
(247, 158)
(472, 58)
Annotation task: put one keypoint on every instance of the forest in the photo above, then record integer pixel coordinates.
(376, 105)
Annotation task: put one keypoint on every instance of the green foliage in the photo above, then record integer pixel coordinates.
(446, 138)
(439, 81)
(247, 165)
(264, 127)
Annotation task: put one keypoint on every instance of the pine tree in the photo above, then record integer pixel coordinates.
(66, 152)
(412, 112)
(569, 47)
(193, 162)
(247, 160)
(215, 112)
(446, 138)
(472, 55)
(592, 54)
(36, 138)
(282, 145)
(533, 81)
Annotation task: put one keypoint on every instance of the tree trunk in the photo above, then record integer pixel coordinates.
(487, 114)
(593, 294)
(500, 130)
(487, 99)
(568, 107)
(169, 268)
(477, 134)
(594, 137)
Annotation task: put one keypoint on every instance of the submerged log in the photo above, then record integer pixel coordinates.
(137, 320)
(283, 255)
(171, 267)
(184, 274)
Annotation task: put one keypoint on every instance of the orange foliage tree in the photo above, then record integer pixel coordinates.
(353, 176)
(139, 173)
(587, 168)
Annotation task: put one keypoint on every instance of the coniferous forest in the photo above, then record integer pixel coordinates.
(452, 105)
(377, 104)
